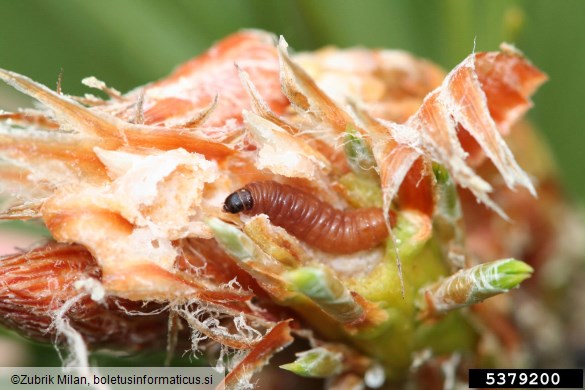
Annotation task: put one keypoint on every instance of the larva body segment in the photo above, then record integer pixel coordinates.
(310, 219)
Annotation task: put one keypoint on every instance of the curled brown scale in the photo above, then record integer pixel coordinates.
(310, 219)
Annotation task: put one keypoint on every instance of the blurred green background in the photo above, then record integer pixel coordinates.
(128, 43)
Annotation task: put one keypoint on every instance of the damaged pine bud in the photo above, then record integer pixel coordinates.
(133, 191)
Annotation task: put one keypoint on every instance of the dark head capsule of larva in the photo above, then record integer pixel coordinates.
(238, 201)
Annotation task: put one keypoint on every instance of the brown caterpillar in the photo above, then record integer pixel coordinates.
(310, 219)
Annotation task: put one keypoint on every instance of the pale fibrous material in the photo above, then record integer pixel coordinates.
(132, 190)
